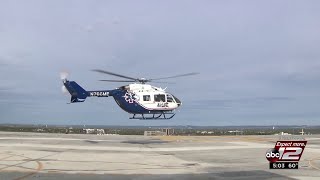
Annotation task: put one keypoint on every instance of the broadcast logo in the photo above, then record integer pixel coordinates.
(286, 154)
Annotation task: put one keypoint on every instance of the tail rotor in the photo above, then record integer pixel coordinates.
(78, 94)
(64, 75)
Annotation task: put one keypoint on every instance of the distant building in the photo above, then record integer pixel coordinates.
(282, 134)
(69, 130)
(205, 132)
(168, 131)
(154, 133)
(236, 132)
(40, 130)
(88, 131)
(94, 131)
(100, 132)
(163, 132)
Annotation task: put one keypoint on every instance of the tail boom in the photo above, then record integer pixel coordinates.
(78, 94)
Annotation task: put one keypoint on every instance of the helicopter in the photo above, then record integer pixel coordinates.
(140, 99)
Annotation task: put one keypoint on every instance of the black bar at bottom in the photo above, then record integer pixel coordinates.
(284, 165)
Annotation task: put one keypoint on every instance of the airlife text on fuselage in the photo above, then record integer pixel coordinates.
(162, 104)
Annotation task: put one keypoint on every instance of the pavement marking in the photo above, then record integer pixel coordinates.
(6, 157)
(28, 159)
(39, 168)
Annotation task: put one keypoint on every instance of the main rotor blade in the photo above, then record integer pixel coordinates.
(107, 80)
(114, 74)
(180, 75)
(163, 82)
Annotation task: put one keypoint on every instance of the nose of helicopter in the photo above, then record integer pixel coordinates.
(177, 101)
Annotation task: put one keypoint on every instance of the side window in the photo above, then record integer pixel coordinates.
(160, 98)
(146, 98)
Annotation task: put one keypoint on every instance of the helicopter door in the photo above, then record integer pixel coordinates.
(146, 100)
(160, 98)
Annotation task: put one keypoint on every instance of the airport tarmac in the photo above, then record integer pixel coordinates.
(69, 156)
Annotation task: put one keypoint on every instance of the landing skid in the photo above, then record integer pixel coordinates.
(155, 116)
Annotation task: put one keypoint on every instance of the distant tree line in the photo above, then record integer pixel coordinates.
(177, 131)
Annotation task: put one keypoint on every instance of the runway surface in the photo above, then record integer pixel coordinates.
(62, 156)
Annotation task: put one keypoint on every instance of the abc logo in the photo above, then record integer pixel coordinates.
(272, 155)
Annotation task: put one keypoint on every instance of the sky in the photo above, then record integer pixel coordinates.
(258, 61)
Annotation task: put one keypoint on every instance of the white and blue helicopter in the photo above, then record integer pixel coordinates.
(141, 100)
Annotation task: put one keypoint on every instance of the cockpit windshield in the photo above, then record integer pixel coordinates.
(176, 99)
(169, 98)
